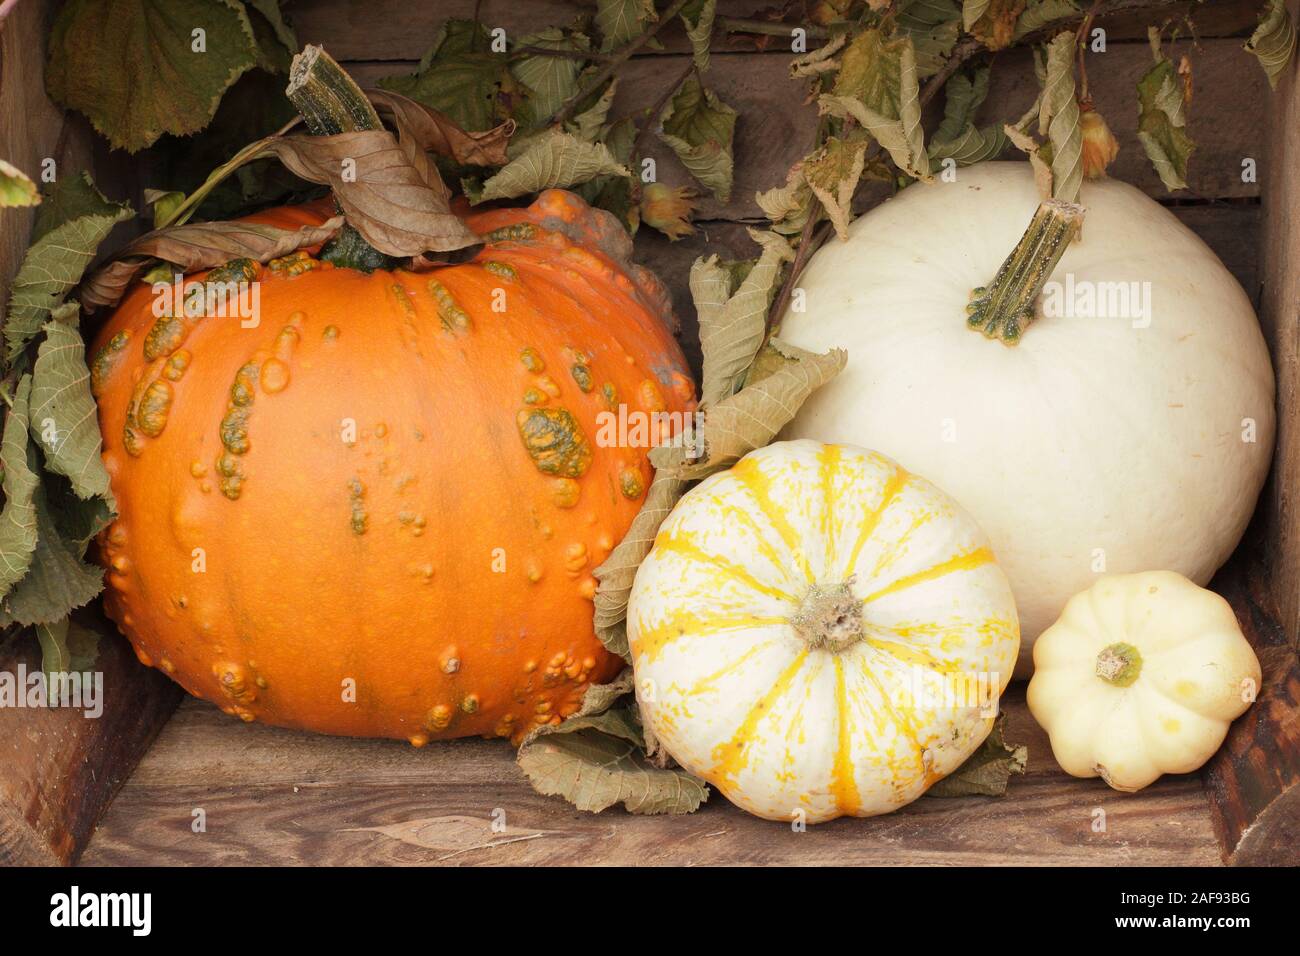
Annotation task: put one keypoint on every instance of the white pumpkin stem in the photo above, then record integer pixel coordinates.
(1119, 664)
(830, 617)
(1002, 309)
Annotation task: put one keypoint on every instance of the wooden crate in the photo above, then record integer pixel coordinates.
(276, 796)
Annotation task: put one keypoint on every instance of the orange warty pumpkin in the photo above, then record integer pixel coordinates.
(377, 512)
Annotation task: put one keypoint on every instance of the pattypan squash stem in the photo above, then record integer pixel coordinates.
(330, 102)
(1002, 309)
(1119, 664)
(830, 618)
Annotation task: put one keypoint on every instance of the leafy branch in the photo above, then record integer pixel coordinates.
(566, 110)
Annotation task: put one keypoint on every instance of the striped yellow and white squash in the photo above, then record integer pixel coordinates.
(819, 633)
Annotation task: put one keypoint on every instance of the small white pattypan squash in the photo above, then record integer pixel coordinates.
(819, 633)
(1141, 676)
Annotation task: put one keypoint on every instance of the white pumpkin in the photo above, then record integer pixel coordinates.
(1096, 444)
(1140, 677)
(816, 631)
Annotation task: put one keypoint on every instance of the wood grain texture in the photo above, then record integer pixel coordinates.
(1254, 780)
(401, 30)
(32, 128)
(777, 124)
(1280, 316)
(1227, 119)
(60, 767)
(278, 797)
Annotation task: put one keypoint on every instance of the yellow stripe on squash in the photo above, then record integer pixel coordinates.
(791, 692)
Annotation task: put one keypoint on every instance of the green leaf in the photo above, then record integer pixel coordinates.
(15, 188)
(276, 41)
(752, 417)
(589, 125)
(461, 77)
(1273, 41)
(78, 519)
(58, 579)
(141, 68)
(833, 173)
(1039, 13)
(595, 761)
(698, 18)
(614, 193)
(957, 137)
(83, 641)
(253, 108)
(1162, 119)
(700, 129)
(69, 227)
(552, 159)
(963, 96)
(734, 323)
(619, 21)
(18, 520)
(63, 416)
(162, 204)
(877, 87)
(933, 26)
(551, 80)
(1059, 119)
(67, 647)
(987, 771)
(55, 656)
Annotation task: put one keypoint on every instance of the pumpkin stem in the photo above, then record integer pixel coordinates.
(830, 617)
(1003, 308)
(330, 102)
(1119, 664)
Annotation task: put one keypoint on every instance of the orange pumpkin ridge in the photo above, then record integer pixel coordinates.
(377, 512)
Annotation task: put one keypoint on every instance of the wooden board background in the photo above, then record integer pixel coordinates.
(776, 127)
(273, 796)
(59, 769)
(1280, 315)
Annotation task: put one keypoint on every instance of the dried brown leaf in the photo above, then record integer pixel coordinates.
(438, 133)
(394, 204)
(198, 246)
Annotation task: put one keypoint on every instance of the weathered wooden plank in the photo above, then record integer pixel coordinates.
(32, 129)
(1227, 118)
(400, 30)
(1280, 315)
(275, 797)
(1254, 780)
(777, 125)
(61, 767)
